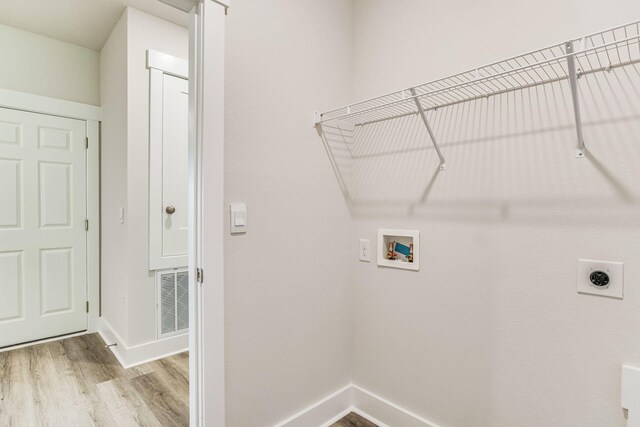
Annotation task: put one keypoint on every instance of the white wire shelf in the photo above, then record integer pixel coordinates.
(594, 53)
(601, 51)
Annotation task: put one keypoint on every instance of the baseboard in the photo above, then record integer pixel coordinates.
(353, 398)
(369, 417)
(130, 356)
(110, 337)
(323, 411)
(335, 418)
(385, 413)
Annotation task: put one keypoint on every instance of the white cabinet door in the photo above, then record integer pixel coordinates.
(42, 226)
(168, 200)
(175, 149)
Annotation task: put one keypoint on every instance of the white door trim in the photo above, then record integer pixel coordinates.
(93, 215)
(168, 64)
(196, 392)
(188, 5)
(52, 106)
(206, 195)
(90, 114)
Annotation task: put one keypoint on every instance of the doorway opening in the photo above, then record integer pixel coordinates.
(91, 161)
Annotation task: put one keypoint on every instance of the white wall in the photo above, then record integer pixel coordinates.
(144, 32)
(491, 331)
(127, 284)
(288, 281)
(113, 170)
(44, 66)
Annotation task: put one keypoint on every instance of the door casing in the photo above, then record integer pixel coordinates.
(206, 193)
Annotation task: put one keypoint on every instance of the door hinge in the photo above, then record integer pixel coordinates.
(87, 142)
(87, 306)
(199, 275)
(86, 225)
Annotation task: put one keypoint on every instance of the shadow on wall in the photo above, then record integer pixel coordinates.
(510, 158)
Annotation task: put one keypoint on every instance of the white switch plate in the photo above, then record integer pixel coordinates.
(238, 218)
(365, 250)
(615, 271)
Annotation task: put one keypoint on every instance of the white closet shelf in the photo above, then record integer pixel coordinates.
(598, 52)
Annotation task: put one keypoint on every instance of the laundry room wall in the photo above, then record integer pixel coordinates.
(288, 280)
(491, 330)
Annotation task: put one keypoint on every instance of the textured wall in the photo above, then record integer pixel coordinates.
(491, 331)
(127, 284)
(144, 32)
(288, 281)
(113, 176)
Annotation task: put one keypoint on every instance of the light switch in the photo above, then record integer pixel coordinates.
(238, 217)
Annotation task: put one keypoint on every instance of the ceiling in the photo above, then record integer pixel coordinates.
(85, 23)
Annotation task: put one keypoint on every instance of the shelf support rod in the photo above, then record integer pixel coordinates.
(443, 166)
(573, 81)
(334, 164)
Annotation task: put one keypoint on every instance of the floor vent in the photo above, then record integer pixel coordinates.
(173, 302)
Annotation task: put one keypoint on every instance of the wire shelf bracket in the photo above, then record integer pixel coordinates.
(574, 75)
(443, 166)
(336, 169)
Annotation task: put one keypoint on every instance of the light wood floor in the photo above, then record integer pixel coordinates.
(353, 420)
(78, 382)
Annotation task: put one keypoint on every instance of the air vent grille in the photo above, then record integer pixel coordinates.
(183, 300)
(173, 302)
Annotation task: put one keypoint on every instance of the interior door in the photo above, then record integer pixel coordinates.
(42, 226)
(169, 171)
(175, 150)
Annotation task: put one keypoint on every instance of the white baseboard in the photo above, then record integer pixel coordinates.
(386, 413)
(369, 417)
(323, 411)
(353, 398)
(130, 356)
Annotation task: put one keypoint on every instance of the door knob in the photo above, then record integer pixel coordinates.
(170, 209)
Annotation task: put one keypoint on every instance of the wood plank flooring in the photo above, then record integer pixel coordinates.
(78, 382)
(353, 420)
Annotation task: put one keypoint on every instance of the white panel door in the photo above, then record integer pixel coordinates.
(175, 150)
(42, 226)
(169, 183)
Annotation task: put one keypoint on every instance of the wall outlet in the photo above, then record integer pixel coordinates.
(601, 278)
(365, 250)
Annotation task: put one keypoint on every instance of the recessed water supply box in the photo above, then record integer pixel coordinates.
(399, 248)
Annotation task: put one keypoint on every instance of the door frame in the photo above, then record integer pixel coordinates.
(206, 194)
(91, 115)
(206, 157)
